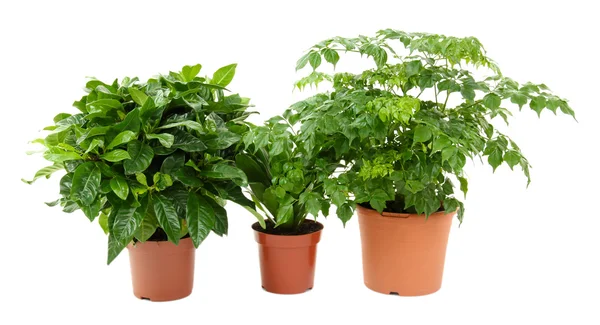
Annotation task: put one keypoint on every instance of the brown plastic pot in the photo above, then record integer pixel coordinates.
(161, 270)
(287, 262)
(403, 254)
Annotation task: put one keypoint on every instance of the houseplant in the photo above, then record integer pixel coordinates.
(404, 130)
(286, 183)
(154, 161)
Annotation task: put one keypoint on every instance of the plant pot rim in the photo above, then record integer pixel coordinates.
(401, 215)
(294, 236)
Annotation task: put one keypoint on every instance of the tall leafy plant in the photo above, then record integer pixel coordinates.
(154, 159)
(406, 128)
(285, 183)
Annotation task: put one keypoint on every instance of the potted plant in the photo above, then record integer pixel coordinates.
(404, 131)
(154, 161)
(286, 183)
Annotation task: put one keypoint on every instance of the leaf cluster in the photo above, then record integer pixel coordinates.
(151, 157)
(286, 180)
(405, 129)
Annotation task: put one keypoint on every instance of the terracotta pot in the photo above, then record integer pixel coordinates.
(287, 263)
(403, 254)
(161, 270)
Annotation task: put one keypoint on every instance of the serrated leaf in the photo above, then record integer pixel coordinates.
(492, 101)
(314, 58)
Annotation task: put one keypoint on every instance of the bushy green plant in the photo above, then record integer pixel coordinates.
(405, 128)
(152, 159)
(285, 182)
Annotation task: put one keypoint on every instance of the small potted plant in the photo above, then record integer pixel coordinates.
(153, 162)
(286, 182)
(404, 131)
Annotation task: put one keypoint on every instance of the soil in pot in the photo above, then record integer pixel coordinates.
(287, 261)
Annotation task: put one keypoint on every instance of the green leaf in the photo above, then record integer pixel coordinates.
(91, 211)
(224, 75)
(123, 137)
(464, 185)
(254, 172)
(114, 248)
(141, 178)
(492, 101)
(188, 73)
(164, 138)
(187, 142)
(330, 56)
(537, 104)
(187, 176)
(302, 61)
(224, 140)
(344, 213)
(259, 218)
(172, 163)
(495, 158)
(221, 223)
(200, 218)
(131, 122)
(124, 224)
(167, 217)
(314, 59)
(223, 171)
(519, 99)
(190, 124)
(57, 155)
(45, 172)
(512, 158)
(422, 133)
(441, 143)
(162, 181)
(285, 215)
(116, 155)
(120, 187)
(448, 153)
(86, 183)
(103, 222)
(138, 96)
(141, 156)
(147, 227)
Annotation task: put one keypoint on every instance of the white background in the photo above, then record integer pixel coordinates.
(522, 256)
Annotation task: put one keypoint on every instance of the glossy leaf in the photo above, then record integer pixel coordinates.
(116, 155)
(224, 75)
(200, 217)
(86, 183)
(167, 217)
(141, 156)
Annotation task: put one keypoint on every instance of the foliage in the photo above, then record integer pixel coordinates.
(285, 183)
(405, 129)
(151, 155)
